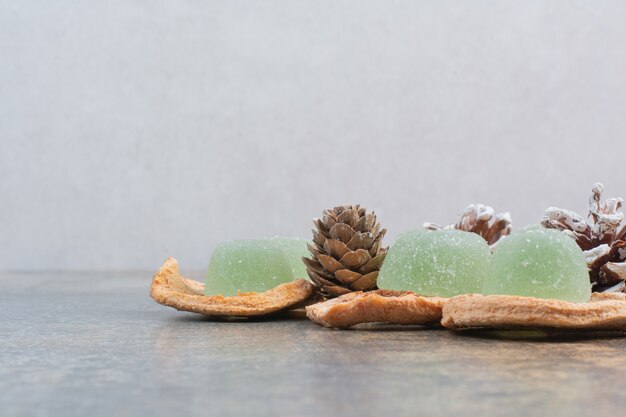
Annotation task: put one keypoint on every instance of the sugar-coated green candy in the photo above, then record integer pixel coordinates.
(254, 265)
(542, 263)
(295, 249)
(438, 263)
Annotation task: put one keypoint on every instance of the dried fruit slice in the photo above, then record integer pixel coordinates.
(171, 289)
(604, 311)
(380, 306)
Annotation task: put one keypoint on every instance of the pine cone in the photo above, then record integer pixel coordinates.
(602, 239)
(346, 254)
(480, 219)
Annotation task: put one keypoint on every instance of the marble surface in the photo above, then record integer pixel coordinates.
(95, 344)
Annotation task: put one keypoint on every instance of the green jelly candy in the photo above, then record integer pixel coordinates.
(254, 265)
(542, 263)
(295, 249)
(441, 263)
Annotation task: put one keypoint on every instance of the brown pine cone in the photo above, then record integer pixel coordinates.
(603, 238)
(346, 254)
(482, 220)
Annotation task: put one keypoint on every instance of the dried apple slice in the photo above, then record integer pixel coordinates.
(380, 306)
(604, 311)
(171, 289)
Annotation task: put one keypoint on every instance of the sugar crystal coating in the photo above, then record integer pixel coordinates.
(254, 265)
(295, 249)
(540, 263)
(441, 263)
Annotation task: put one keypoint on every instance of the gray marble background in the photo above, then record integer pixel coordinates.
(135, 130)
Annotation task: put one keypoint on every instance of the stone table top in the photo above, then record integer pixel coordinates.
(95, 344)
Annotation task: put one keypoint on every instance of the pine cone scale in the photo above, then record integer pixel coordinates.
(349, 217)
(365, 223)
(361, 241)
(612, 273)
(329, 263)
(355, 259)
(319, 238)
(342, 232)
(373, 264)
(315, 267)
(319, 279)
(365, 282)
(347, 276)
(335, 248)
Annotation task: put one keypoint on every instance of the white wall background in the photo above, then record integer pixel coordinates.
(135, 130)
